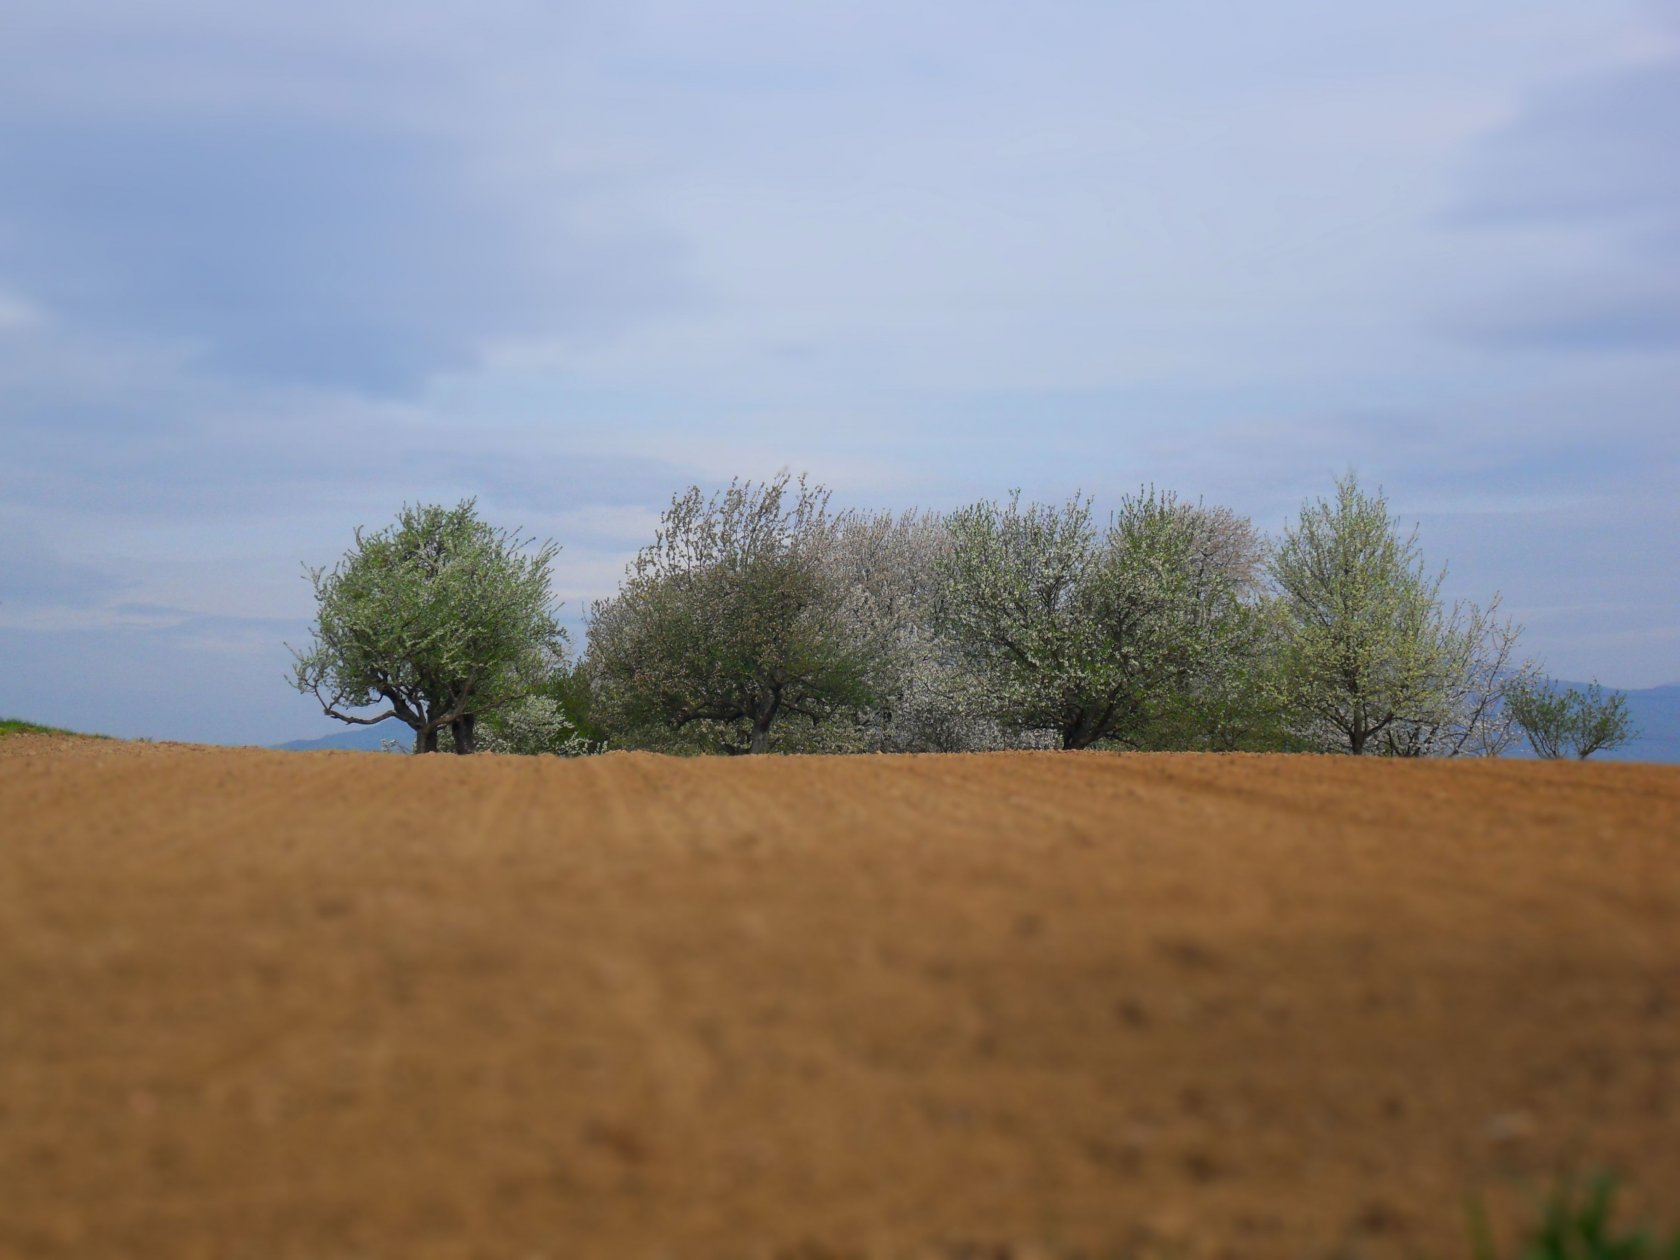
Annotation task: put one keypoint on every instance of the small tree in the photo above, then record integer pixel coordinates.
(440, 617)
(1366, 646)
(1570, 723)
(729, 621)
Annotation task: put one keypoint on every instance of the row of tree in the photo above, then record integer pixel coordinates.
(760, 619)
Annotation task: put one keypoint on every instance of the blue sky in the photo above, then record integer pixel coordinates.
(269, 270)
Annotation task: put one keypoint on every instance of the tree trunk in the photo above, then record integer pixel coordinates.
(766, 714)
(466, 739)
(1079, 733)
(426, 741)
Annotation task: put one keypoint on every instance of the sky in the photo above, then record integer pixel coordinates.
(268, 271)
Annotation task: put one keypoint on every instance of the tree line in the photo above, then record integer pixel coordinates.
(761, 619)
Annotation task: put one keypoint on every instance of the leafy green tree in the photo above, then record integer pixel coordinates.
(1572, 722)
(729, 622)
(440, 617)
(1366, 645)
(1195, 572)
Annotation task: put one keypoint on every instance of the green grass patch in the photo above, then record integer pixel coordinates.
(17, 726)
(1577, 1223)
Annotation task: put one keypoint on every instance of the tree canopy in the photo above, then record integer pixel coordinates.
(730, 621)
(1102, 635)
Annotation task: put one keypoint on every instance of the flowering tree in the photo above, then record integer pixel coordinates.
(1474, 714)
(1372, 662)
(923, 696)
(1113, 635)
(440, 617)
(729, 621)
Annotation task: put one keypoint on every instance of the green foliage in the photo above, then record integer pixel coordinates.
(571, 687)
(1020, 608)
(1569, 723)
(533, 725)
(441, 617)
(1579, 1225)
(727, 623)
(1367, 649)
(1187, 575)
(17, 726)
(1232, 699)
(553, 718)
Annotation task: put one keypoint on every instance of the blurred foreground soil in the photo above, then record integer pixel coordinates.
(327, 1005)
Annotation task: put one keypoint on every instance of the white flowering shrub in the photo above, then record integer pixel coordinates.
(535, 725)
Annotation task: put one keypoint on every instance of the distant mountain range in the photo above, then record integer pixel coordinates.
(355, 738)
(1655, 712)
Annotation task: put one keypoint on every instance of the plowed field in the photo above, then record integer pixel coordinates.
(351, 1005)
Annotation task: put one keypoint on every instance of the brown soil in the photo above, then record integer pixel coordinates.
(338, 1004)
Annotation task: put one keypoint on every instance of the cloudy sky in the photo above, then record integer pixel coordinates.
(269, 270)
